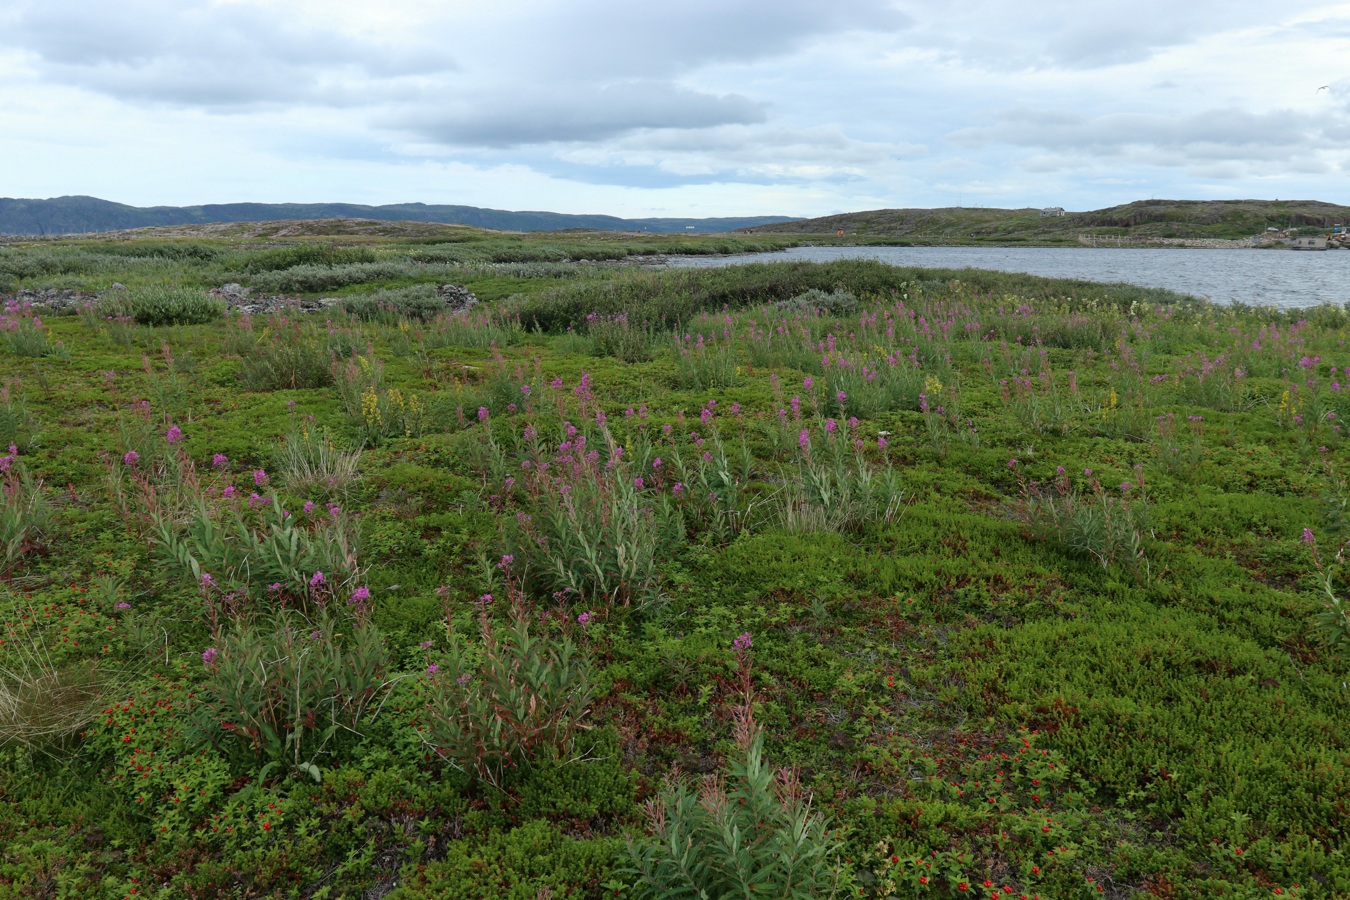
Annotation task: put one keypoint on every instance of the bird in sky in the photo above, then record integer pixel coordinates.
(1325, 87)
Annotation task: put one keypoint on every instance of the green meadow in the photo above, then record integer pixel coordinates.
(776, 580)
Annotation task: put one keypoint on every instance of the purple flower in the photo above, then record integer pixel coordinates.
(464, 679)
(742, 642)
(584, 619)
(804, 439)
(425, 644)
(220, 460)
(656, 463)
(130, 458)
(677, 489)
(206, 581)
(359, 596)
(259, 477)
(275, 587)
(433, 669)
(309, 507)
(1125, 487)
(1087, 472)
(174, 435)
(254, 500)
(841, 396)
(482, 413)
(229, 491)
(1308, 537)
(638, 483)
(1012, 464)
(124, 605)
(831, 426)
(209, 656)
(808, 383)
(317, 580)
(881, 443)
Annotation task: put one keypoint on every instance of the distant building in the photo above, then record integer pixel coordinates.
(1309, 243)
(1052, 211)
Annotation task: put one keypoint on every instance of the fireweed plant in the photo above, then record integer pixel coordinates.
(484, 656)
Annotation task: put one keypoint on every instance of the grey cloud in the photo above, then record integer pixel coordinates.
(604, 37)
(997, 35)
(1217, 134)
(203, 55)
(538, 114)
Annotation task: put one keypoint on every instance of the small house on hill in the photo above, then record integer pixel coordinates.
(1052, 211)
(1310, 243)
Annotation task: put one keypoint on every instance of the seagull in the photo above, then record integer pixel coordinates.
(1325, 87)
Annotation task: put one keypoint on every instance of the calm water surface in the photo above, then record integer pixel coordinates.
(1257, 277)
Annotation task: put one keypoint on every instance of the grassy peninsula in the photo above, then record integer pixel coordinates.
(1140, 221)
(921, 583)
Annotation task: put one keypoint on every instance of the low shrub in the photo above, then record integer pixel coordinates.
(25, 513)
(834, 487)
(308, 459)
(165, 306)
(22, 332)
(591, 527)
(497, 706)
(1095, 523)
(834, 303)
(286, 687)
(756, 836)
(421, 302)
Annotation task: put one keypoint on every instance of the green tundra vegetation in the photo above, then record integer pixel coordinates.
(788, 580)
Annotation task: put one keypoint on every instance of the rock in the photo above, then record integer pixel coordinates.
(117, 286)
(457, 297)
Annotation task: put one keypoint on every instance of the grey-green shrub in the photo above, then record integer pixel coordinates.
(166, 306)
(420, 301)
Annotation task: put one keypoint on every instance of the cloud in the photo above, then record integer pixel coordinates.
(208, 55)
(1215, 134)
(516, 115)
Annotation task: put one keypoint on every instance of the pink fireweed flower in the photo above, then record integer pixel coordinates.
(220, 460)
(841, 396)
(804, 439)
(229, 491)
(482, 413)
(638, 483)
(309, 507)
(433, 669)
(656, 463)
(742, 642)
(1308, 537)
(206, 580)
(359, 596)
(259, 477)
(506, 562)
(254, 500)
(881, 443)
(808, 383)
(677, 489)
(174, 435)
(130, 458)
(1012, 464)
(831, 426)
(584, 619)
(209, 656)
(317, 580)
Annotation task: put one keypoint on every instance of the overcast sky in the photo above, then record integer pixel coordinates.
(688, 107)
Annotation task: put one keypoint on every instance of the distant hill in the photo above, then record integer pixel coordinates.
(1142, 218)
(81, 215)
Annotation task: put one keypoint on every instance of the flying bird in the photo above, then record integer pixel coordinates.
(1325, 87)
